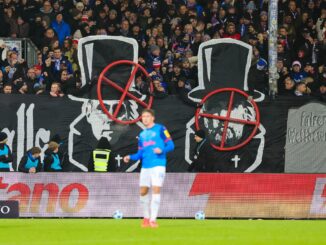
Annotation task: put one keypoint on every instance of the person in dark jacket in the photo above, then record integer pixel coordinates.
(31, 162)
(321, 92)
(183, 89)
(154, 58)
(68, 84)
(203, 159)
(258, 77)
(52, 161)
(287, 87)
(102, 159)
(5, 153)
(159, 91)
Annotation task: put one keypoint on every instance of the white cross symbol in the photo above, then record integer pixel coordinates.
(236, 159)
(118, 158)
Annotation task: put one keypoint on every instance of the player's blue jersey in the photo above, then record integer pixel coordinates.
(149, 139)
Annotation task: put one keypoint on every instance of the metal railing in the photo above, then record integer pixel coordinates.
(27, 50)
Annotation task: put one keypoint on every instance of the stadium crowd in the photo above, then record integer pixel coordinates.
(169, 33)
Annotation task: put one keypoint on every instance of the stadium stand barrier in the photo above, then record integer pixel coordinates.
(295, 196)
(25, 48)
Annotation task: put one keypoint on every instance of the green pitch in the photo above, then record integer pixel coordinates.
(128, 231)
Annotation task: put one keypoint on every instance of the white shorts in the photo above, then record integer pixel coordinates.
(152, 176)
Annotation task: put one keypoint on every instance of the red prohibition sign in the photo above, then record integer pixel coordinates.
(227, 119)
(125, 91)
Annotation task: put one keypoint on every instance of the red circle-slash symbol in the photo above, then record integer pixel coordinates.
(227, 119)
(125, 91)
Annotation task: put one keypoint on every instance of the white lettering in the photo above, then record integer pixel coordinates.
(20, 133)
(42, 135)
(5, 209)
(29, 127)
(318, 200)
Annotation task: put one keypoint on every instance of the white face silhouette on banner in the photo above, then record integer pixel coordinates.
(101, 124)
(234, 133)
(215, 127)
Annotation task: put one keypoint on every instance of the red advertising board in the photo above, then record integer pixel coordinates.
(219, 195)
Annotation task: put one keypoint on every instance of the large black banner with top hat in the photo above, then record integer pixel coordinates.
(33, 120)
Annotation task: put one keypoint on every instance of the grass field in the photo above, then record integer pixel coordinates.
(179, 231)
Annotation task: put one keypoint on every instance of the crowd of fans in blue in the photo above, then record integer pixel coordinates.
(169, 33)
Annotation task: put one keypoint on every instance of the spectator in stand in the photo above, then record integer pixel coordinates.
(57, 8)
(75, 18)
(262, 25)
(124, 30)
(183, 88)
(49, 37)
(5, 153)
(52, 161)
(54, 44)
(173, 77)
(321, 26)
(282, 54)
(287, 87)
(74, 57)
(230, 32)
(47, 10)
(140, 84)
(196, 42)
(296, 74)
(60, 62)
(258, 77)
(19, 28)
(7, 88)
(61, 28)
(154, 59)
(159, 91)
(4, 27)
(30, 83)
(321, 92)
(56, 90)
(31, 162)
(37, 32)
(9, 18)
(41, 78)
(282, 70)
(67, 83)
(180, 47)
(301, 89)
(145, 20)
(189, 72)
(13, 66)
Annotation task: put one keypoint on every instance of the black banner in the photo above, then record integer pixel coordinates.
(9, 209)
(32, 121)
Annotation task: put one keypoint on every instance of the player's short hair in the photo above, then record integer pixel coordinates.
(150, 111)
(35, 150)
(53, 145)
